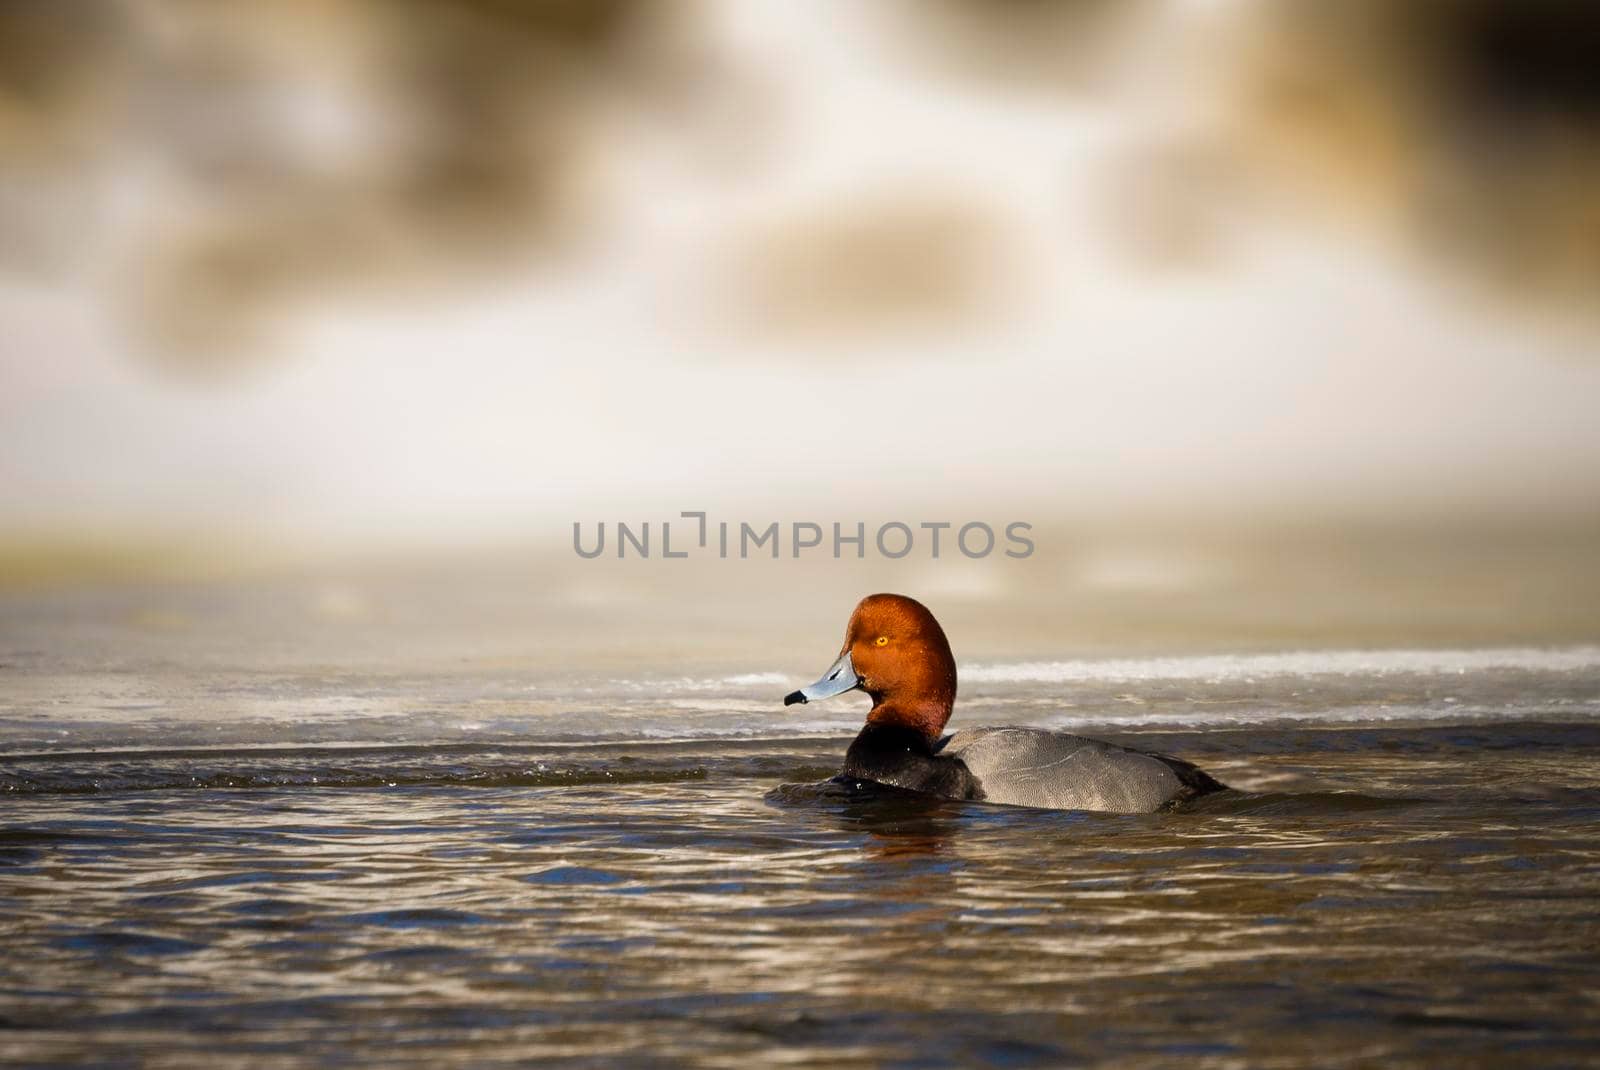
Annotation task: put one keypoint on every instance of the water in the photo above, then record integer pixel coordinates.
(590, 869)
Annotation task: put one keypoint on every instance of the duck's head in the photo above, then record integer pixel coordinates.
(896, 652)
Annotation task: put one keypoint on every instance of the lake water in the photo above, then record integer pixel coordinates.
(526, 864)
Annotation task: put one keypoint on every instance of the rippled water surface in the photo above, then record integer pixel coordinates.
(1381, 894)
(235, 832)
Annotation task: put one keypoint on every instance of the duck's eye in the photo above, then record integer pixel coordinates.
(882, 640)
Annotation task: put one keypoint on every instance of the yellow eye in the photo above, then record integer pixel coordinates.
(882, 640)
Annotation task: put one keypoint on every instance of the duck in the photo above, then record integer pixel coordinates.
(895, 651)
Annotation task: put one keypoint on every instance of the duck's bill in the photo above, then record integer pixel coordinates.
(840, 677)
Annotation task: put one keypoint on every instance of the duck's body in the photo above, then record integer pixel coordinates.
(1026, 767)
(897, 653)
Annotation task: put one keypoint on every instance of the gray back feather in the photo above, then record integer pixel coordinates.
(1037, 767)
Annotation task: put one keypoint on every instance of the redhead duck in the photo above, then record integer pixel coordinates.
(895, 651)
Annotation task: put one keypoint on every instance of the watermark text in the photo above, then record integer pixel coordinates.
(698, 536)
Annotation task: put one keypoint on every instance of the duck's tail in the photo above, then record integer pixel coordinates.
(1196, 781)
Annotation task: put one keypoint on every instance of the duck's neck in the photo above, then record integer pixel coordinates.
(925, 715)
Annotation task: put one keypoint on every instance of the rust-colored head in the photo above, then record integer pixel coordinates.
(901, 658)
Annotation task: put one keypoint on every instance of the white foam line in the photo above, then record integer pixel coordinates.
(715, 683)
(1209, 667)
(1220, 667)
(1344, 716)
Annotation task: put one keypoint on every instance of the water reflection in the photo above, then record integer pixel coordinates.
(749, 915)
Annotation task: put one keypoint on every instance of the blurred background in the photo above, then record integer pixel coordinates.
(322, 321)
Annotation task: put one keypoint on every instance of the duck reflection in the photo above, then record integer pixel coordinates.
(899, 824)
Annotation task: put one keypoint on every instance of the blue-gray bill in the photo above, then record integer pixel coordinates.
(840, 677)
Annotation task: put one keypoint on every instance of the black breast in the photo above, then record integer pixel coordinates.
(901, 758)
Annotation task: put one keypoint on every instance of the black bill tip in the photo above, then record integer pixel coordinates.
(792, 697)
